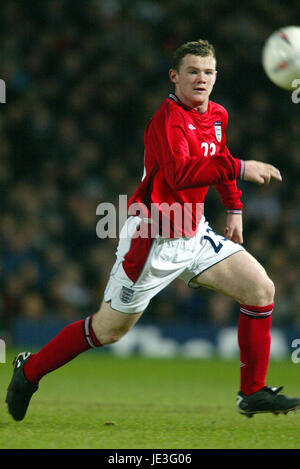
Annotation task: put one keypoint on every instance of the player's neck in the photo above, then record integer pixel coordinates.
(201, 108)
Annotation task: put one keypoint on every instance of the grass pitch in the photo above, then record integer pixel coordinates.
(100, 401)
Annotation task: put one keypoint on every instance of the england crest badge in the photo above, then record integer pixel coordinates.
(218, 130)
(126, 295)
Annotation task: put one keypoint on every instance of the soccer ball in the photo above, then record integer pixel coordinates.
(281, 56)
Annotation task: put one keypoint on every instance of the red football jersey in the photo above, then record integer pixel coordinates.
(185, 153)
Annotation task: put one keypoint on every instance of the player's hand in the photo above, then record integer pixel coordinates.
(234, 228)
(259, 172)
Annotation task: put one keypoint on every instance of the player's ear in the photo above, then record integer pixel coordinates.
(173, 75)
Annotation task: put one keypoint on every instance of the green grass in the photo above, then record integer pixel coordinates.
(100, 401)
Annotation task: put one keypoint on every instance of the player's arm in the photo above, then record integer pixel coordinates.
(260, 173)
(255, 171)
(234, 227)
(252, 170)
(231, 199)
(182, 170)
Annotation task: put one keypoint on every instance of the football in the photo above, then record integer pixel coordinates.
(281, 56)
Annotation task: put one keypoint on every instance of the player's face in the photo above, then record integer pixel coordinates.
(195, 80)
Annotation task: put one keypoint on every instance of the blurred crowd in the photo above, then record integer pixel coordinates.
(82, 80)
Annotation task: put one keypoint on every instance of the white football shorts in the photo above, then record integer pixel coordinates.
(145, 266)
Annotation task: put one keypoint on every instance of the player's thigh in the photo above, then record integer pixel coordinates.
(110, 325)
(241, 277)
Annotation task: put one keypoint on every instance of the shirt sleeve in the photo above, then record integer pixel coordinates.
(229, 192)
(182, 170)
(230, 196)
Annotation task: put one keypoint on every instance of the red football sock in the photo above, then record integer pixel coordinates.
(254, 340)
(70, 342)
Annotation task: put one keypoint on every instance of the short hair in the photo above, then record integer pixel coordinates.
(201, 47)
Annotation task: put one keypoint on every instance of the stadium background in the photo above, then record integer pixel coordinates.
(82, 80)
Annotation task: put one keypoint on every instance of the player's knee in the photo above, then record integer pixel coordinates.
(110, 336)
(271, 290)
(265, 293)
(110, 326)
